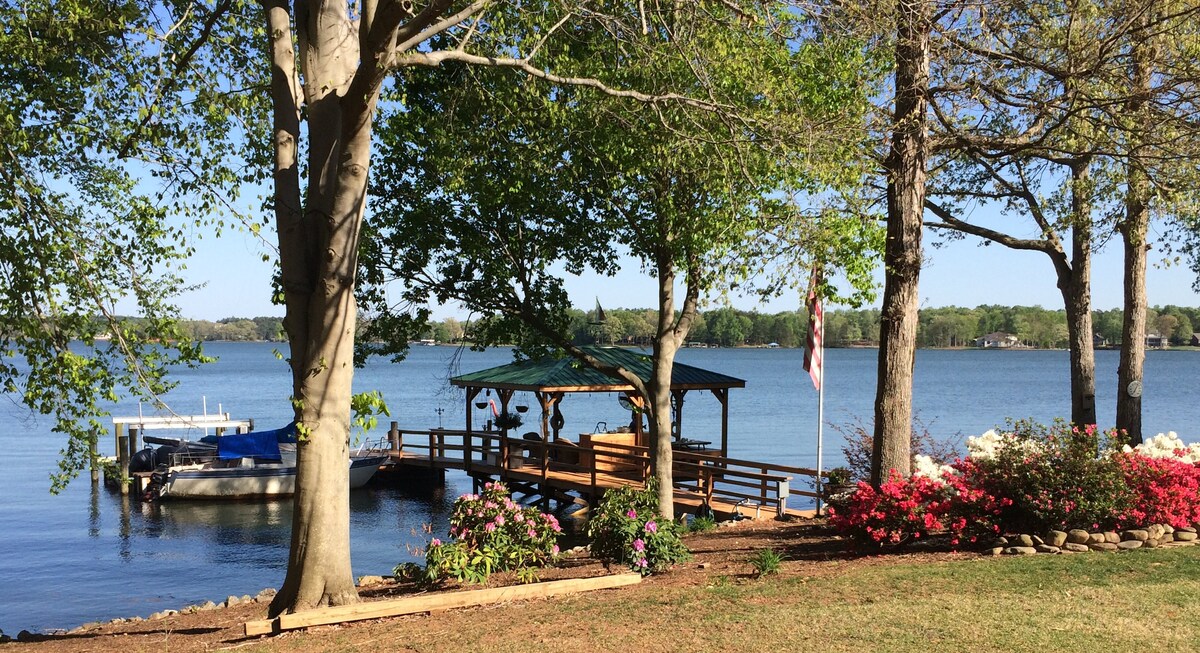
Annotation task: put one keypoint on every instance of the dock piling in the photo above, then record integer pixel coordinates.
(123, 461)
(94, 454)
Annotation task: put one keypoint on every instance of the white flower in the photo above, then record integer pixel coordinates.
(1168, 445)
(927, 467)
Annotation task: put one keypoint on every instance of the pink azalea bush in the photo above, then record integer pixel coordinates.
(490, 533)
(1029, 480)
(627, 529)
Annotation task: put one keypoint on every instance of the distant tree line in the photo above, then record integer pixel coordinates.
(950, 326)
(263, 328)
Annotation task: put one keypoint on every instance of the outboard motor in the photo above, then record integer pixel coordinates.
(162, 455)
(143, 461)
(154, 489)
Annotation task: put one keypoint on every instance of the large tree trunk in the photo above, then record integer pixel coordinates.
(1075, 284)
(1133, 326)
(319, 262)
(905, 167)
(1133, 229)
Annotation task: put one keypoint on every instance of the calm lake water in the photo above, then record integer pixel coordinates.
(87, 555)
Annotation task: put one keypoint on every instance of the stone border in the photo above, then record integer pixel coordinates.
(1081, 541)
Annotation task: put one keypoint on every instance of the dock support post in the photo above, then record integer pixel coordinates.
(94, 454)
(394, 439)
(123, 461)
(133, 442)
(784, 490)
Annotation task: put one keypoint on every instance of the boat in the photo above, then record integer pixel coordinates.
(257, 464)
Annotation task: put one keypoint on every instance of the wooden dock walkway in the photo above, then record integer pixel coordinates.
(568, 473)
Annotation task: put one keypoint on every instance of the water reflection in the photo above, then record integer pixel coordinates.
(94, 512)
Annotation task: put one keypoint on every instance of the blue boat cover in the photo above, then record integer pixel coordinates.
(256, 444)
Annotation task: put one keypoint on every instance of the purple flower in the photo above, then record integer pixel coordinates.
(639, 545)
(642, 563)
(651, 527)
(632, 514)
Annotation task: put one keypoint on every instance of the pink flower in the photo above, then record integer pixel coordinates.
(531, 533)
(499, 520)
(642, 563)
(554, 550)
(632, 514)
(651, 527)
(639, 545)
(435, 542)
(490, 527)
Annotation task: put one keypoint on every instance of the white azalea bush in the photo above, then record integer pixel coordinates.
(1166, 446)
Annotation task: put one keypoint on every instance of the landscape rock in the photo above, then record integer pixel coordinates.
(1167, 528)
(1024, 541)
(231, 601)
(1077, 536)
(1154, 531)
(24, 636)
(208, 605)
(1111, 537)
(1095, 538)
(1020, 550)
(994, 551)
(1002, 541)
(1129, 545)
(1185, 536)
(1103, 546)
(1136, 534)
(1037, 541)
(370, 581)
(1150, 544)
(1186, 529)
(1046, 548)
(266, 595)
(1056, 538)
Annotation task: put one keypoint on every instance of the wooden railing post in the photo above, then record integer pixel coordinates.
(432, 448)
(394, 440)
(123, 461)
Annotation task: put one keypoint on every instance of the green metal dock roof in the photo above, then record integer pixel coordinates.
(572, 375)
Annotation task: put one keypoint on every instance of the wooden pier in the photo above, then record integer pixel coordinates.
(558, 474)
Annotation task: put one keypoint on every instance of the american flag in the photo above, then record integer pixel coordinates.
(814, 351)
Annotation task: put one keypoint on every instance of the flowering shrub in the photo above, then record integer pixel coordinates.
(1031, 479)
(1054, 477)
(1168, 445)
(490, 533)
(902, 509)
(626, 528)
(1166, 490)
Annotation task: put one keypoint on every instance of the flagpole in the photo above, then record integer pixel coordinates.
(821, 420)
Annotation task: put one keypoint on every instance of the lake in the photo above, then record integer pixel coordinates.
(89, 555)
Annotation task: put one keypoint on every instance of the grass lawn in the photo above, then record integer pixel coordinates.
(821, 600)
(1098, 602)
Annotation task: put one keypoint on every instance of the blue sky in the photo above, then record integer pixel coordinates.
(962, 274)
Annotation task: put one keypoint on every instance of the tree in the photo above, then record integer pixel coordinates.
(92, 208)
(572, 175)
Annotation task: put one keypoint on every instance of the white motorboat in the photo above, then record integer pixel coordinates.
(258, 464)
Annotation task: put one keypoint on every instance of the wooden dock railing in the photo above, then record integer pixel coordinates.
(699, 475)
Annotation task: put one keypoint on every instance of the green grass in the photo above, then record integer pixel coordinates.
(1130, 601)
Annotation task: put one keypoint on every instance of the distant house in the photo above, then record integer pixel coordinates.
(1195, 341)
(1099, 340)
(997, 340)
(1156, 341)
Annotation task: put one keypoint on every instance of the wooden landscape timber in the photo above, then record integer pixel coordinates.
(435, 602)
